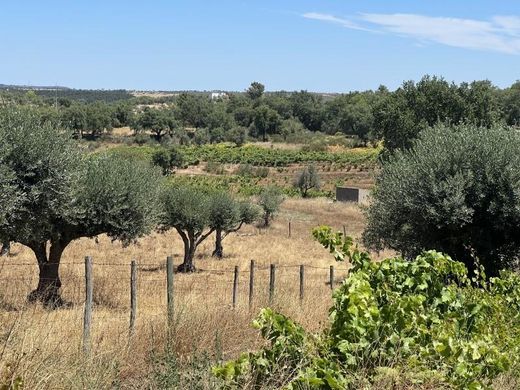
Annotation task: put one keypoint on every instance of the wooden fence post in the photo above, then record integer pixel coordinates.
(133, 296)
(331, 277)
(302, 281)
(235, 287)
(169, 290)
(251, 282)
(344, 233)
(87, 317)
(289, 229)
(271, 282)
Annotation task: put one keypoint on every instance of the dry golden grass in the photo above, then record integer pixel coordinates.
(44, 346)
(122, 131)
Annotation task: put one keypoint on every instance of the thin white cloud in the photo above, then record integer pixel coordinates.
(501, 33)
(510, 24)
(333, 19)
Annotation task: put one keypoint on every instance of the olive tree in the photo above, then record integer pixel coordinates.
(195, 213)
(270, 200)
(227, 216)
(42, 163)
(187, 210)
(307, 179)
(10, 196)
(458, 191)
(65, 196)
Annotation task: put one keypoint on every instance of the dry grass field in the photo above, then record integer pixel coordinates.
(44, 347)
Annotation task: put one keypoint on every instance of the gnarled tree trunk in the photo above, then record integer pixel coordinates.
(191, 241)
(189, 254)
(49, 282)
(190, 246)
(219, 249)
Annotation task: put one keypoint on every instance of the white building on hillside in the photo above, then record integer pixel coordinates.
(218, 95)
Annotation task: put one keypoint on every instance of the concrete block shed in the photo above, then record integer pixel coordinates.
(352, 194)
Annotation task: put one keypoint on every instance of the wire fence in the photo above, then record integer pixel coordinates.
(111, 293)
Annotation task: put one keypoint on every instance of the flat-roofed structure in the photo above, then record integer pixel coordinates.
(352, 194)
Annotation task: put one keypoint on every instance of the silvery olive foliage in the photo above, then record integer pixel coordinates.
(58, 194)
(457, 190)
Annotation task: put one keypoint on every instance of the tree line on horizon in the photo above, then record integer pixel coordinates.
(396, 117)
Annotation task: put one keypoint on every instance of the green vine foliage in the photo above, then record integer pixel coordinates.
(427, 318)
(255, 155)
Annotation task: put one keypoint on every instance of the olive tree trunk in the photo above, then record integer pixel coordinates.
(6, 248)
(191, 241)
(219, 249)
(188, 265)
(190, 246)
(49, 282)
(219, 237)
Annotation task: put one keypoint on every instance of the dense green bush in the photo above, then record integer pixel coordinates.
(142, 139)
(424, 318)
(456, 191)
(168, 159)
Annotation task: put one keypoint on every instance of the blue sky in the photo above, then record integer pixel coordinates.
(327, 46)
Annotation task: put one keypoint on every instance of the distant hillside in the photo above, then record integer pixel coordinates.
(84, 95)
(112, 95)
(32, 87)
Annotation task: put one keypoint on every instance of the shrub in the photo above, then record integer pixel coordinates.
(167, 159)
(214, 168)
(244, 170)
(270, 200)
(315, 146)
(141, 138)
(261, 172)
(424, 318)
(249, 171)
(457, 191)
(237, 135)
(307, 179)
(201, 137)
